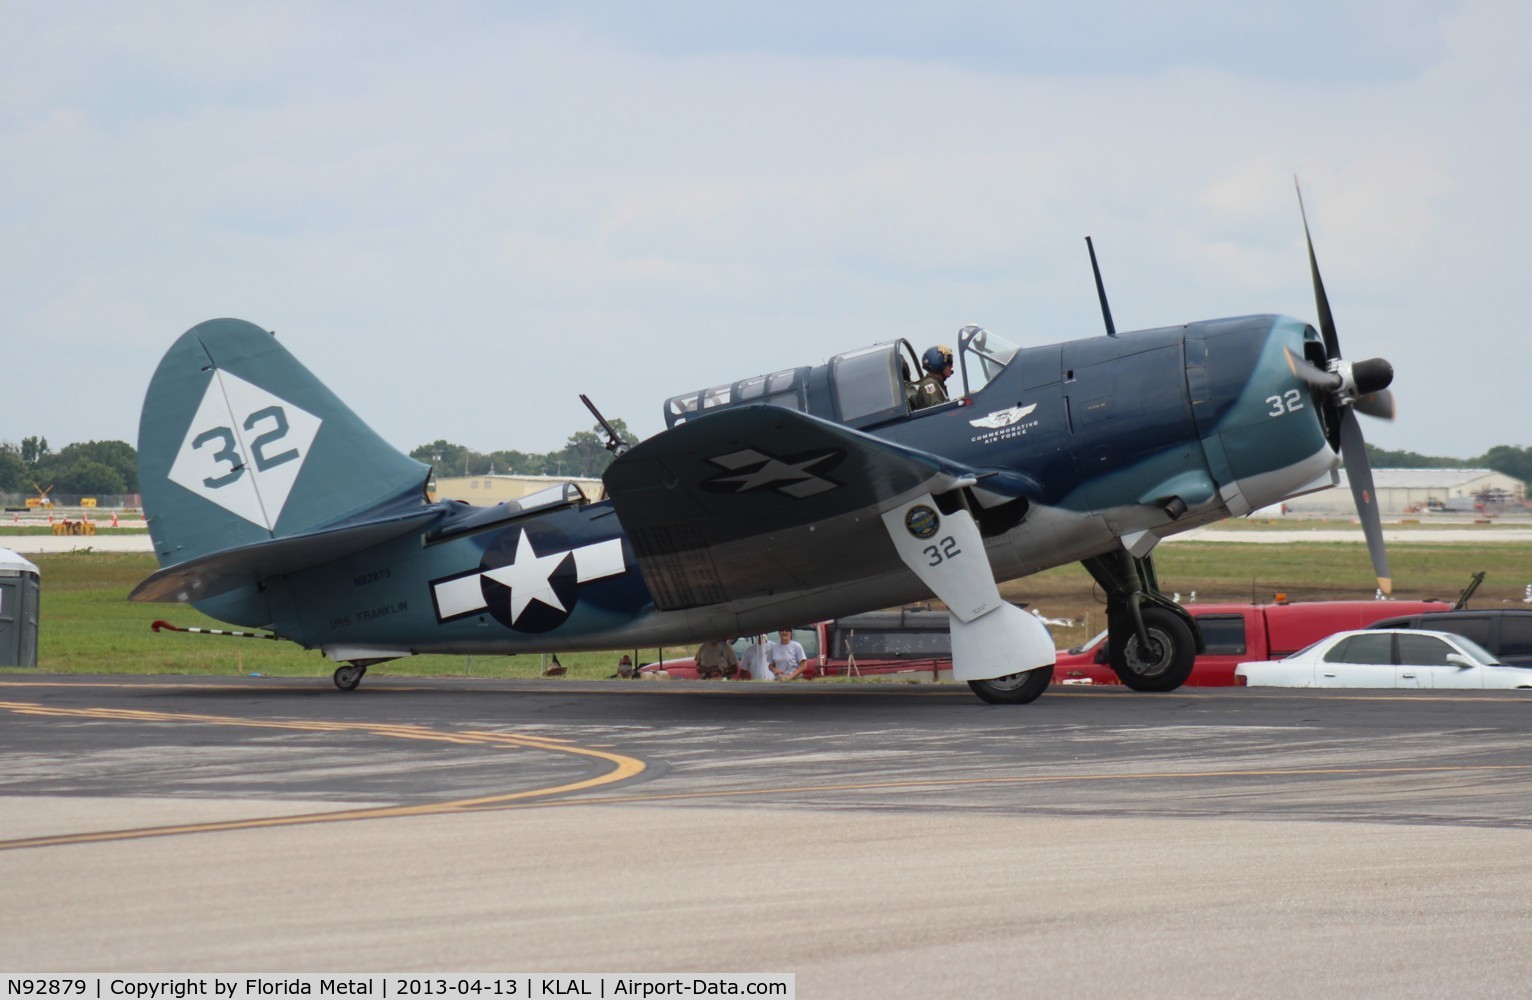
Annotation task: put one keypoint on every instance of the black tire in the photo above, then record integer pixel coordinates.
(1015, 689)
(348, 677)
(1172, 651)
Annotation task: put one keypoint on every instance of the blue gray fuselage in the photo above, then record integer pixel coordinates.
(1207, 414)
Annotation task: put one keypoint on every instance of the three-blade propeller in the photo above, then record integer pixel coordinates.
(1362, 386)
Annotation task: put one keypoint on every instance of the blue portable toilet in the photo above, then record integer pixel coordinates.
(19, 600)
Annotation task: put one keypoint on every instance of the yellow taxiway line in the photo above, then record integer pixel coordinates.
(622, 768)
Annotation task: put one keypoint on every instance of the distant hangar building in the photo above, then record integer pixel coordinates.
(488, 490)
(1420, 491)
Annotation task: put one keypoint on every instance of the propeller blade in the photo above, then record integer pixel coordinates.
(1359, 473)
(1378, 404)
(1321, 300)
(1307, 372)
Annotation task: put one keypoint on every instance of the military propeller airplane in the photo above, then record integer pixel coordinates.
(799, 495)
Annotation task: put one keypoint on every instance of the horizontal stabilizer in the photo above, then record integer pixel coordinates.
(220, 572)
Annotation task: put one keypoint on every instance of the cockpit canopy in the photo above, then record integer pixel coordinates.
(861, 388)
(983, 356)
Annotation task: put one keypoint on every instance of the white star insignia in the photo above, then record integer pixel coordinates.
(527, 577)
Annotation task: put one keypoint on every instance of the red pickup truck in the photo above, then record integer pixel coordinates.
(1236, 633)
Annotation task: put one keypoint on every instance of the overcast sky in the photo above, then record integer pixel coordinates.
(461, 215)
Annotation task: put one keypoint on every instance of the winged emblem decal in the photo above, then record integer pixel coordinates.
(1004, 418)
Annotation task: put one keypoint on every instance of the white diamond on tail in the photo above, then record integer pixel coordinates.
(244, 449)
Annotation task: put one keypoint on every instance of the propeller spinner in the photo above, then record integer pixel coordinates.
(1360, 386)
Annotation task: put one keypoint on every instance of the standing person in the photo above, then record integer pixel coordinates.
(754, 662)
(786, 657)
(931, 390)
(715, 659)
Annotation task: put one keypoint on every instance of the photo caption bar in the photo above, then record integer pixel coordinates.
(400, 986)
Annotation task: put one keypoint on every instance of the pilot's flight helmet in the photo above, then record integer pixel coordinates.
(936, 359)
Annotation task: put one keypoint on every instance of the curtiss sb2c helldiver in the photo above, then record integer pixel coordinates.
(800, 495)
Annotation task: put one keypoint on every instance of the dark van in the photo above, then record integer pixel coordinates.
(1506, 632)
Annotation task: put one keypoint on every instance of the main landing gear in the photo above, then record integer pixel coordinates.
(1152, 642)
(347, 677)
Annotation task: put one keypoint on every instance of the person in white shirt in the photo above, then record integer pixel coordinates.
(786, 657)
(754, 661)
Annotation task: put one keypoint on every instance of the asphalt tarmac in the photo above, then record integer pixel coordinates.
(876, 840)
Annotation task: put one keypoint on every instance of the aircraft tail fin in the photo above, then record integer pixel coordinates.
(239, 443)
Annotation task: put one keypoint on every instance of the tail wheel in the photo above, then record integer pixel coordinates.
(349, 676)
(1165, 663)
(1015, 689)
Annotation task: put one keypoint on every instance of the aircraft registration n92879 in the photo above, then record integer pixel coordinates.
(801, 495)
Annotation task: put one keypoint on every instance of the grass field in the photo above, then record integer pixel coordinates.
(88, 626)
(1244, 524)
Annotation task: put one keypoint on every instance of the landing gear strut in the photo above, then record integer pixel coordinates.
(1152, 642)
(347, 677)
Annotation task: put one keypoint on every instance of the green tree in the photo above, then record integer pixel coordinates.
(13, 471)
(584, 455)
(1509, 460)
(1382, 458)
(1503, 458)
(60, 469)
(621, 427)
(446, 457)
(119, 456)
(89, 477)
(33, 450)
(511, 461)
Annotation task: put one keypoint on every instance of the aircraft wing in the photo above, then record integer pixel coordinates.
(753, 501)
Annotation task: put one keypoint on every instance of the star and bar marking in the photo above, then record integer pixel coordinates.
(528, 578)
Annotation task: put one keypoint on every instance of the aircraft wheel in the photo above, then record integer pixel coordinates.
(1015, 689)
(349, 676)
(1168, 661)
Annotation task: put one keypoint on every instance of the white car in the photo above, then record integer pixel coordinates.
(1387, 658)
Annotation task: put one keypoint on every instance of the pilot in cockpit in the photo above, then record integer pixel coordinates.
(931, 390)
